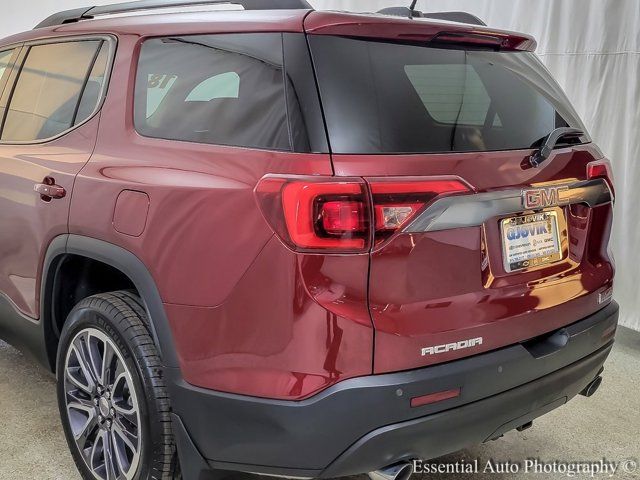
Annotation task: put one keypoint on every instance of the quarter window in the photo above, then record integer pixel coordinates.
(5, 62)
(59, 86)
(216, 89)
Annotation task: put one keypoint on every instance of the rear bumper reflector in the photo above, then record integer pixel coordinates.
(434, 398)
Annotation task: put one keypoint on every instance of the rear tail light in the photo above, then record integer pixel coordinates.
(601, 169)
(397, 203)
(344, 215)
(317, 214)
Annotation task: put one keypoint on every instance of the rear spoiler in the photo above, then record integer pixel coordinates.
(417, 29)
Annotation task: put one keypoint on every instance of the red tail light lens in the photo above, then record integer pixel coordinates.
(317, 213)
(601, 169)
(328, 214)
(397, 203)
(341, 216)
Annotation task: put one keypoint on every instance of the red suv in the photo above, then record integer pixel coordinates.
(296, 243)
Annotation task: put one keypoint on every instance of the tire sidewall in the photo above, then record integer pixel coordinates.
(81, 318)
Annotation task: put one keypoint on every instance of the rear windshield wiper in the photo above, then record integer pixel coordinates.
(544, 152)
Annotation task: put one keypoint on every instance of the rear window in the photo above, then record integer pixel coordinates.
(382, 97)
(216, 89)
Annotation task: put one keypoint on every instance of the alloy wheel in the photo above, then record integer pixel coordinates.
(102, 407)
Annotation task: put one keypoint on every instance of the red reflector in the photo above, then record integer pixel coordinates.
(597, 170)
(434, 398)
(343, 216)
(601, 169)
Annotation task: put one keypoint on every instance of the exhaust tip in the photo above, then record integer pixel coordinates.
(399, 471)
(590, 389)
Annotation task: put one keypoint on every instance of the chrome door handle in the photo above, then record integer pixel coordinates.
(49, 190)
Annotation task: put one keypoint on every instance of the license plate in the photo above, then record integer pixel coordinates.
(530, 241)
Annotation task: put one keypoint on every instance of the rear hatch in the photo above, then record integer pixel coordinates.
(474, 248)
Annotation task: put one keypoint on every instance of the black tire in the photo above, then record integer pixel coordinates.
(120, 317)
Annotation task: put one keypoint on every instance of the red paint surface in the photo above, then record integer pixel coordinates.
(430, 289)
(399, 28)
(130, 215)
(250, 316)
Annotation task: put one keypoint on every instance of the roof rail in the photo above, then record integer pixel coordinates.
(462, 17)
(87, 13)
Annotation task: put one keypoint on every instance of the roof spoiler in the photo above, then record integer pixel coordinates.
(461, 17)
(87, 13)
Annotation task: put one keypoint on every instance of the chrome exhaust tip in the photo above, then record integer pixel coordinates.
(399, 471)
(590, 389)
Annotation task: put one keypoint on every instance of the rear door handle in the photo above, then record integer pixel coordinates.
(49, 190)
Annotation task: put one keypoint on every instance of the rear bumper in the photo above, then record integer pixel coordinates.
(367, 423)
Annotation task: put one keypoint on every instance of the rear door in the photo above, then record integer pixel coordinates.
(475, 248)
(48, 134)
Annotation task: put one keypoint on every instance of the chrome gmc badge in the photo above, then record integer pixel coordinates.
(536, 198)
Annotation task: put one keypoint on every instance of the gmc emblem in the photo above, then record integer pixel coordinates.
(536, 198)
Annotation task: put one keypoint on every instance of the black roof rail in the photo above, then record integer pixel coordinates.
(462, 17)
(87, 13)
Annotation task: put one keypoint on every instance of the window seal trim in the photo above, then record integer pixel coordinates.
(110, 40)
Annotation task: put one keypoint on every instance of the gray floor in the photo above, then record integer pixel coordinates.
(606, 426)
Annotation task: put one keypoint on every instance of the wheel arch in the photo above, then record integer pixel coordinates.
(119, 259)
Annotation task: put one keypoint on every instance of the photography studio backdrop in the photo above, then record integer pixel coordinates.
(592, 47)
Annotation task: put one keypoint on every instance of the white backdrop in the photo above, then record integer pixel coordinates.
(591, 46)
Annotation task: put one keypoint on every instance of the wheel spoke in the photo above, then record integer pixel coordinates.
(83, 423)
(107, 366)
(124, 449)
(109, 460)
(79, 396)
(102, 407)
(128, 437)
(79, 373)
(95, 456)
(80, 349)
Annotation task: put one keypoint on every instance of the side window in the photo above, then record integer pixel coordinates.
(216, 89)
(95, 84)
(5, 62)
(53, 80)
(451, 93)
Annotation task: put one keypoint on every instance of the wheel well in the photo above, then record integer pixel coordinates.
(73, 278)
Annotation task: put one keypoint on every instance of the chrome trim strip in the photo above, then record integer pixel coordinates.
(474, 210)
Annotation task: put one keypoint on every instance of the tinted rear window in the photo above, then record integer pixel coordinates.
(217, 89)
(384, 97)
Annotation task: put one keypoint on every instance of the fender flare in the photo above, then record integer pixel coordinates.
(127, 263)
